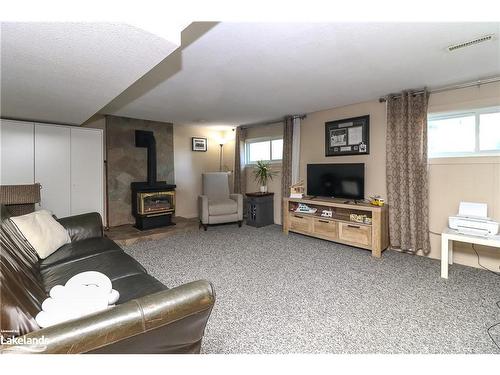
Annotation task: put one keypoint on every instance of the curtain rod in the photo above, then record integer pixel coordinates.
(447, 88)
(270, 122)
(276, 121)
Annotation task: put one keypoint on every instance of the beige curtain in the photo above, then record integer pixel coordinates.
(406, 167)
(286, 172)
(239, 161)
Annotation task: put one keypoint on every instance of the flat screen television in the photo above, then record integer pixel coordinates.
(345, 181)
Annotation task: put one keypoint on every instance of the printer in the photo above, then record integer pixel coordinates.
(472, 220)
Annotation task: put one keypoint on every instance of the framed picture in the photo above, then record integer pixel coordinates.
(199, 144)
(350, 136)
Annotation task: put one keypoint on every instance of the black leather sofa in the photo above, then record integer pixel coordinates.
(148, 318)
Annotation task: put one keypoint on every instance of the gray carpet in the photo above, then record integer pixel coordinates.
(295, 294)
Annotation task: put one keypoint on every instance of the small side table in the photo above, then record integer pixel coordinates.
(260, 209)
(450, 235)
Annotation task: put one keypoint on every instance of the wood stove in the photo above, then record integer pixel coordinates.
(153, 202)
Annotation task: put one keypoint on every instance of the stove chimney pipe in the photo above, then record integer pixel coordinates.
(147, 139)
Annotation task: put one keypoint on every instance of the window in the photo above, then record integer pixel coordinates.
(267, 149)
(276, 149)
(464, 134)
(489, 131)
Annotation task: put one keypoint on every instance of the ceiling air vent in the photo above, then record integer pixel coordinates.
(469, 43)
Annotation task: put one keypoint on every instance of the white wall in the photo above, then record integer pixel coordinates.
(189, 165)
(312, 143)
(17, 164)
(99, 122)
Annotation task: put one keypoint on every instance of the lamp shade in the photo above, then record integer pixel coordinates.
(220, 138)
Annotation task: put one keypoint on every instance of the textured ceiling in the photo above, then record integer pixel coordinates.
(227, 73)
(66, 72)
(248, 72)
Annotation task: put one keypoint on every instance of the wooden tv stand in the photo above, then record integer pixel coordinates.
(372, 234)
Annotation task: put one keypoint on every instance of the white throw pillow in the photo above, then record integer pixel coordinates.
(42, 231)
(85, 293)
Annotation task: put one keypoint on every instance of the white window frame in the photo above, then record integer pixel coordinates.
(473, 112)
(262, 139)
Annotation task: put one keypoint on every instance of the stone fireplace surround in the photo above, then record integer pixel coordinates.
(127, 163)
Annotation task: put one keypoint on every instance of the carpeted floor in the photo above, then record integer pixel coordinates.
(295, 294)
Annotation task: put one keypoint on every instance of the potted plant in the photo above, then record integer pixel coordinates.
(263, 173)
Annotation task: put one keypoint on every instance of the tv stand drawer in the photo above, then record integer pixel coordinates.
(356, 234)
(300, 223)
(325, 228)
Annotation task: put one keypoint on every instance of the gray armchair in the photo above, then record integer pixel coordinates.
(216, 205)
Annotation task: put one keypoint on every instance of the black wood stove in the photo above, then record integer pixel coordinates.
(153, 202)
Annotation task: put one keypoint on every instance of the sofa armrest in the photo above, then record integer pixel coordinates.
(203, 208)
(239, 199)
(129, 321)
(83, 226)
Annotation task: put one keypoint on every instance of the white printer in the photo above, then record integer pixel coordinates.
(472, 220)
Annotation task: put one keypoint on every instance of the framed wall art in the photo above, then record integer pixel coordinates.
(199, 144)
(350, 136)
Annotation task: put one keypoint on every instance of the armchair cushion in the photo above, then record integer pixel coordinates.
(216, 185)
(222, 207)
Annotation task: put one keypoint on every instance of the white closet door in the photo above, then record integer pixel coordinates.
(86, 171)
(52, 167)
(17, 153)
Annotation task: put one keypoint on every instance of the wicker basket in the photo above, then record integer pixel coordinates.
(20, 199)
